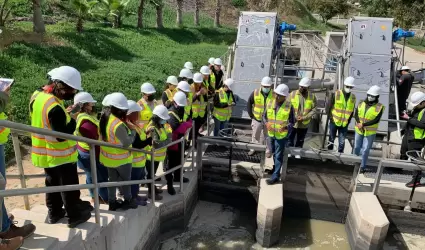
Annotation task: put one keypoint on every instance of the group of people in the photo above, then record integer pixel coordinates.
(144, 124)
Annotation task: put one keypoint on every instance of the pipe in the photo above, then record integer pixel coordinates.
(396, 102)
(93, 168)
(22, 178)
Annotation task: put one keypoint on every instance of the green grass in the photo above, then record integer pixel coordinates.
(109, 59)
(415, 43)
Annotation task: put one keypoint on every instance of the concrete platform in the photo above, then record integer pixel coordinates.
(269, 213)
(367, 224)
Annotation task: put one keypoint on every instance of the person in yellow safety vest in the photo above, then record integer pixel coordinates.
(256, 106)
(8, 229)
(304, 103)
(208, 81)
(184, 87)
(47, 87)
(186, 75)
(147, 102)
(217, 73)
(367, 115)
(340, 111)
(116, 129)
(414, 135)
(199, 103)
(279, 119)
(138, 172)
(179, 128)
(188, 65)
(88, 127)
(160, 138)
(171, 89)
(223, 103)
(58, 157)
(212, 75)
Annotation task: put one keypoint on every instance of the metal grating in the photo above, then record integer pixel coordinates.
(390, 175)
(238, 154)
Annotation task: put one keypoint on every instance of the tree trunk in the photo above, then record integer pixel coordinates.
(115, 24)
(217, 14)
(38, 22)
(140, 14)
(159, 22)
(179, 20)
(197, 7)
(79, 25)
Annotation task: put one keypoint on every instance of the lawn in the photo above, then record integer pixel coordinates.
(415, 43)
(109, 59)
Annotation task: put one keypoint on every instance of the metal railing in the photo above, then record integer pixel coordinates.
(17, 128)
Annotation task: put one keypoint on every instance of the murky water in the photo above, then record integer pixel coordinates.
(217, 226)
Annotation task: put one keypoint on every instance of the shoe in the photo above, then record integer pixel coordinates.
(410, 184)
(53, 218)
(170, 189)
(141, 198)
(157, 196)
(185, 180)
(268, 154)
(14, 231)
(11, 217)
(129, 204)
(272, 181)
(11, 244)
(158, 191)
(362, 170)
(113, 206)
(85, 205)
(251, 152)
(81, 218)
(297, 156)
(268, 171)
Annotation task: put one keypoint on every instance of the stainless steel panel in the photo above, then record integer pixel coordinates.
(257, 29)
(251, 63)
(242, 91)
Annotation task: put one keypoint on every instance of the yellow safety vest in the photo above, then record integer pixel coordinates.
(212, 80)
(223, 114)
(114, 157)
(308, 104)
(170, 93)
(260, 103)
(159, 154)
(199, 106)
(80, 118)
(33, 96)
(4, 132)
(139, 158)
(419, 133)
(342, 109)
(368, 115)
(279, 121)
(146, 113)
(188, 107)
(47, 151)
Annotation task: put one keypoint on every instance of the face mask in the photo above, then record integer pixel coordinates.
(151, 98)
(266, 90)
(371, 98)
(347, 90)
(162, 122)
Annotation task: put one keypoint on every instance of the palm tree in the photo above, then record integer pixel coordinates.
(37, 19)
(217, 13)
(197, 7)
(159, 5)
(117, 9)
(179, 20)
(82, 9)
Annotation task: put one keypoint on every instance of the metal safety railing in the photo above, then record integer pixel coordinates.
(17, 128)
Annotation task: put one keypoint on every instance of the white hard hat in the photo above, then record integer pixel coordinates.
(105, 101)
(305, 82)
(218, 61)
(180, 98)
(118, 100)
(405, 67)
(198, 78)
(183, 86)
(188, 65)
(211, 60)
(374, 90)
(349, 81)
(133, 107)
(172, 80)
(266, 81)
(83, 97)
(282, 89)
(205, 70)
(186, 73)
(417, 98)
(147, 88)
(229, 82)
(51, 72)
(68, 75)
(161, 111)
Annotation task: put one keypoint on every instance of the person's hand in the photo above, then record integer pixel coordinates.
(360, 125)
(268, 126)
(203, 91)
(131, 125)
(282, 129)
(300, 118)
(69, 108)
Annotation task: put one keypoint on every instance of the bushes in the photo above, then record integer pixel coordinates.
(239, 3)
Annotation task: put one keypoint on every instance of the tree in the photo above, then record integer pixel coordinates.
(376, 8)
(217, 13)
(5, 10)
(159, 6)
(82, 10)
(37, 17)
(330, 8)
(196, 16)
(179, 20)
(117, 9)
(140, 14)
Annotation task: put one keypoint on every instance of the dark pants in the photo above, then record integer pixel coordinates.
(300, 133)
(102, 173)
(174, 159)
(342, 133)
(150, 174)
(136, 175)
(59, 176)
(410, 144)
(402, 95)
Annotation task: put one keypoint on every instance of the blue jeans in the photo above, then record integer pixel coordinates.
(278, 148)
(342, 133)
(102, 173)
(5, 218)
(362, 146)
(219, 125)
(300, 133)
(137, 174)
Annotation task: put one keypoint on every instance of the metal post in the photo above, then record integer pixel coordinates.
(404, 47)
(193, 145)
(182, 164)
(378, 178)
(152, 166)
(18, 156)
(397, 114)
(93, 168)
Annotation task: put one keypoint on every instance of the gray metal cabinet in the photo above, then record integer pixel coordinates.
(242, 91)
(370, 35)
(257, 29)
(251, 63)
(369, 70)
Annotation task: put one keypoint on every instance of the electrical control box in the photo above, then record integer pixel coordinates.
(257, 29)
